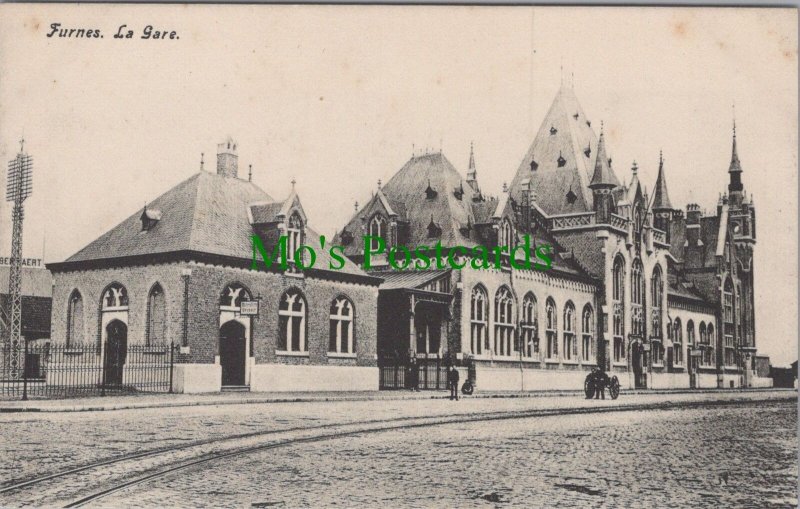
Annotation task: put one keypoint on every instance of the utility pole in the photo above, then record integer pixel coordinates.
(18, 188)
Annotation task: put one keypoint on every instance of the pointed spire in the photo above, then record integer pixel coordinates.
(602, 172)
(472, 172)
(202, 160)
(735, 164)
(661, 196)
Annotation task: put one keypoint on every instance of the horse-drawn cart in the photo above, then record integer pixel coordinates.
(600, 380)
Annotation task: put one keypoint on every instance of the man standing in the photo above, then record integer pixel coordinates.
(600, 382)
(452, 380)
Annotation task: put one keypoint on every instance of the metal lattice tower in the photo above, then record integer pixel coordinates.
(18, 188)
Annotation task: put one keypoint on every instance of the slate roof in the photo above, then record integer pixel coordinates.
(206, 213)
(405, 196)
(565, 133)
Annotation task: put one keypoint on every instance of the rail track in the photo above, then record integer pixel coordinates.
(307, 434)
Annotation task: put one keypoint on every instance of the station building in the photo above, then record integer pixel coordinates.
(179, 271)
(656, 297)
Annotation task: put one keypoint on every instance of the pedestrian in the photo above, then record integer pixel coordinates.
(591, 379)
(452, 381)
(601, 380)
(413, 374)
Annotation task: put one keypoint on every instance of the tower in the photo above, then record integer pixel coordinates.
(472, 173)
(602, 184)
(18, 188)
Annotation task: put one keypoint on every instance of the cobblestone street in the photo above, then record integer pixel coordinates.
(737, 455)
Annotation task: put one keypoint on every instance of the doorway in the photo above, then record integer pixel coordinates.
(637, 363)
(116, 352)
(232, 353)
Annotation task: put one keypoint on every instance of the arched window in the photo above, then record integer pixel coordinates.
(377, 228)
(75, 319)
(530, 322)
(503, 322)
(637, 298)
(690, 333)
(115, 298)
(232, 296)
(505, 234)
(618, 317)
(677, 342)
(704, 360)
(729, 352)
(551, 329)
(479, 321)
(657, 293)
(712, 345)
(292, 322)
(294, 234)
(342, 325)
(570, 344)
(156, 333)
(587, 329)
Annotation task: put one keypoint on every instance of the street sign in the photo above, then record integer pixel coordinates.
(249, 307)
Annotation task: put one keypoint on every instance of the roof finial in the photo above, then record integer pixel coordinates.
(379, 183)
(294, 181)
(733, 106)
(601, 127)
(356, 206)
(22, 144)
(505, 187)
(250, 173)
(660, 158)
(635, 167)
(413, 149)
(202, 160)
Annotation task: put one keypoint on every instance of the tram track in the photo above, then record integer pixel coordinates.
(308, 434)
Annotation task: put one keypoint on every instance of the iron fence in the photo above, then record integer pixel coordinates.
(54, 370)
(422, 373)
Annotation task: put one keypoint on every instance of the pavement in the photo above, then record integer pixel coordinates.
(135, 401)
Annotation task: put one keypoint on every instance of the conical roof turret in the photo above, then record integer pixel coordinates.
(602, 176)
(660, 195)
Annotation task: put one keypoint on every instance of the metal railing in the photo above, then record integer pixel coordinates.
(53, 370)
(424, 374)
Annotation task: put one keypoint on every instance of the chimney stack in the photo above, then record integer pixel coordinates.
(227, 159)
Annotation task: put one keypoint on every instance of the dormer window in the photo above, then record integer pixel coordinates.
(505, 234)
(571, 197)
(430, 193)
(464, 230)
(149, 219)
(553, 130)
(459, 192)
(347, 237)
(434, 230)
(377, 228)
(588, 123)
(294, 234)
(575, 116)
(534, 165)
(587, 151)
(561, 161)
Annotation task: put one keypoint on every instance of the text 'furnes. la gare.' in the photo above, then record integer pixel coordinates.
(526, 256)
(149, 32)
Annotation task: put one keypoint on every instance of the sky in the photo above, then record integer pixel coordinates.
(337, 97)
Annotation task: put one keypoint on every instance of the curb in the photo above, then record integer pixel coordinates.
(131, 405)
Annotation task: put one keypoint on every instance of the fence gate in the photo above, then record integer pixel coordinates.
(54, 370)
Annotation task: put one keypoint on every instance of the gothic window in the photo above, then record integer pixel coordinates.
(115, 297)
(729, 352)
(341, 326)
(75, 319)
(292, 322)
(706, 358)
(530, 322)
(677, 342)
(551, 329)
(479, 321)
(657, 293)
(690, 333)
(505, 234)
(618, 318)
(377, 228)
(712, 344)
(587, 329)
(503, 322)
(637, 298)
(294, 234)
(232, 297)
(570, 344)
(156, 316)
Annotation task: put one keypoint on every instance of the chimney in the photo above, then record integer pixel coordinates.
(227, 159)
(693, 214)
